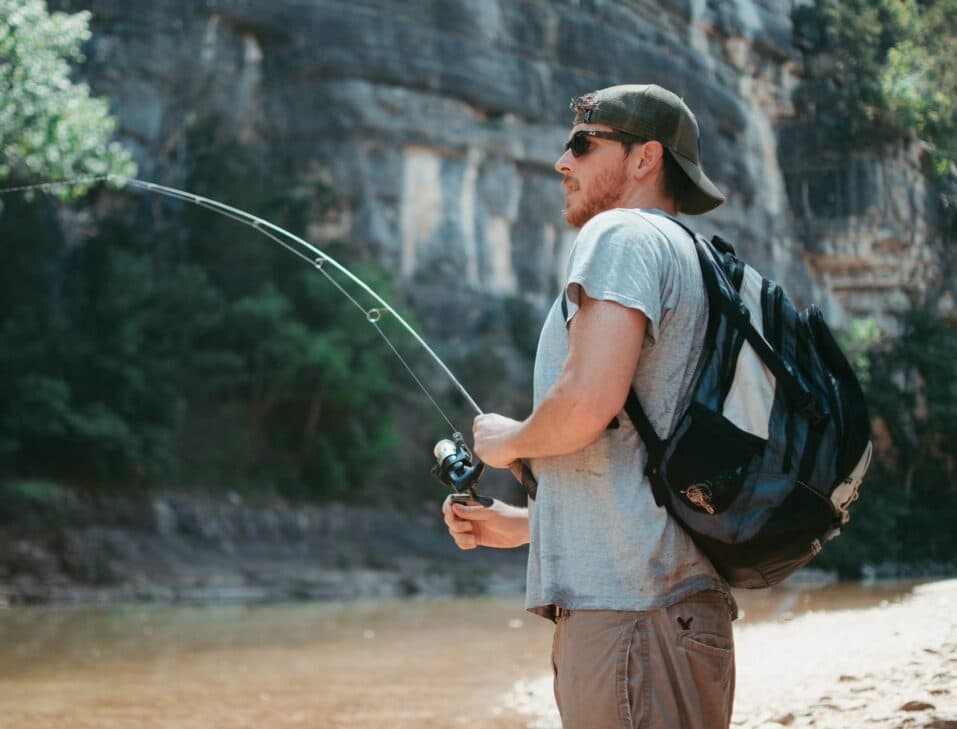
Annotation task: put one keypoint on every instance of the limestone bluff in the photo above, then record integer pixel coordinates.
(435, 124)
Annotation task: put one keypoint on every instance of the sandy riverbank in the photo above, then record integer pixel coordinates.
(889, 666)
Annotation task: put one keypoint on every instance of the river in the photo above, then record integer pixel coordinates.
(455, 662)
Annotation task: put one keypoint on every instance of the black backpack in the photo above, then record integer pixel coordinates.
(761, 467)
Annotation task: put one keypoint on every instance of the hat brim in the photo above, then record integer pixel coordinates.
(704, 195)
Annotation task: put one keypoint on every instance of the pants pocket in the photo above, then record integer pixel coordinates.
(713, 645)
(710, 658)
(703, 662)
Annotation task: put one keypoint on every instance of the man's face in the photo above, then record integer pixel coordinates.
(596, 180)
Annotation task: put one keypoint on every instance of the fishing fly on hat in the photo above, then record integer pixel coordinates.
(652, 112)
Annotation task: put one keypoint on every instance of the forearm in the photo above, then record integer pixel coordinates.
(568, 418)
(516, 525)
(604, 344)
(565, 421)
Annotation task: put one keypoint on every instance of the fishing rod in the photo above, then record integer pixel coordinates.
(455, 465)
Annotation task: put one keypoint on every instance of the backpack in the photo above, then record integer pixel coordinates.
(763, 464)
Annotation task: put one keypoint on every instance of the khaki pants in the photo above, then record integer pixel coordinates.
(670, 668)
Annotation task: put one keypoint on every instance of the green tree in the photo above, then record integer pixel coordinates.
(117, 370)
(908, 500)
(166, 344)
(881, 68)
(308, 385)
(50, 127)
(88, 391)
(847, 42)
(919, 78)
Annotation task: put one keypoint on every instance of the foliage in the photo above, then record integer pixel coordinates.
(149, 374)
(919, 78)
(857, 341)
(851, 39)
(166, 344)
(50, 127)
(889, 67)
(34, 505)
(909, 498)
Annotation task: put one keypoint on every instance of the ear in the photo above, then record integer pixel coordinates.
(648, 159)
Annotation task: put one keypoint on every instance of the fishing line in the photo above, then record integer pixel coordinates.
(315, 257)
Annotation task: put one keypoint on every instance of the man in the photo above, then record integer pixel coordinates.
(643, 621)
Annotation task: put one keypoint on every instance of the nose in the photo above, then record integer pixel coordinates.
(563, 165)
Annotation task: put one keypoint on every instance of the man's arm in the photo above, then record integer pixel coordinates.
(604, 343)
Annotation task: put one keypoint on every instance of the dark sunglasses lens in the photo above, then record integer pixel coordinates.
(578, 144)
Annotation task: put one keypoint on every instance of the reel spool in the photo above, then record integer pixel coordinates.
(456, 467)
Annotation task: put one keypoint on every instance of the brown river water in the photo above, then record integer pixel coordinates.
(452, 662)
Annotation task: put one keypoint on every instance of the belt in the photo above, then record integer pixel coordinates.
(560, 612)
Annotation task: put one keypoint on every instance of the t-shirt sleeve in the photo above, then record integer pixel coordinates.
(618, 256)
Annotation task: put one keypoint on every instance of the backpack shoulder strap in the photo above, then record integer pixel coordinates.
(709, 256)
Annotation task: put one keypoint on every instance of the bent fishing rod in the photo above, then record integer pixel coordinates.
(455, 465)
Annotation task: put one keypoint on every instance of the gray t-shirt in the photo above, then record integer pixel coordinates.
(597, 538)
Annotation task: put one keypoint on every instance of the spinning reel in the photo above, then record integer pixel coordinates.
(456, 467)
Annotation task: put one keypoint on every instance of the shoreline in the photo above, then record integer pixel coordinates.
(894, 665)
(195, 548)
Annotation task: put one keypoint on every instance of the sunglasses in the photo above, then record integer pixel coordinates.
(580, 141)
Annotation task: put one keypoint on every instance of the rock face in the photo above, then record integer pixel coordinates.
(436, 124)
(194, 548)
(423, 133)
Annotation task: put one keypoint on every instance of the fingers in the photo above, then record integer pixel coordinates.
(465, 541)
(462, 535)
(452, 513)
(460, 528)
(447, 508)
(473, 512)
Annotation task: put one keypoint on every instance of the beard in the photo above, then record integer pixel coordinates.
(603, 194)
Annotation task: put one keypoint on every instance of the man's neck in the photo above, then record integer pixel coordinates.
(647, 200)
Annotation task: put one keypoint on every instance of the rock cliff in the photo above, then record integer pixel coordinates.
(422, 133)
(435, 124)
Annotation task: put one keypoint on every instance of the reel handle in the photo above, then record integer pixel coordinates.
(472, 499)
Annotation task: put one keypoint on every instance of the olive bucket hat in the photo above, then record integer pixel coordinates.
(652, 112)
